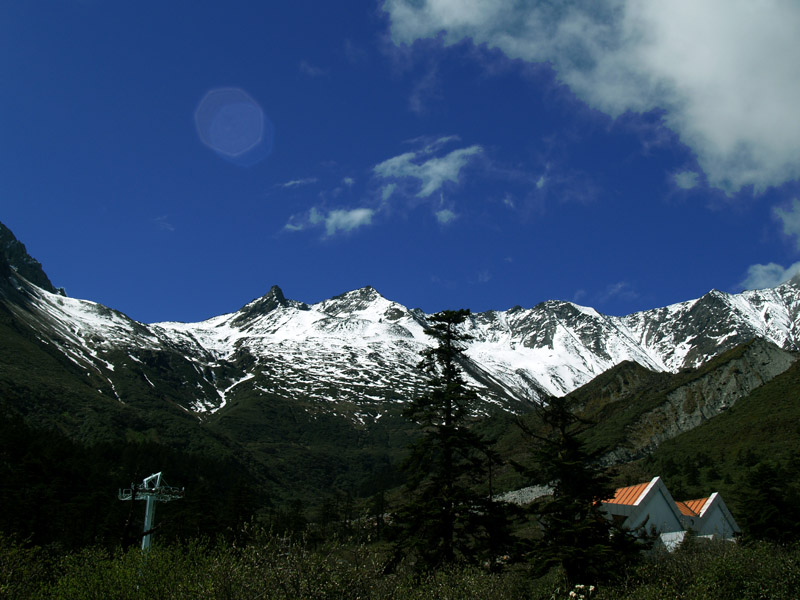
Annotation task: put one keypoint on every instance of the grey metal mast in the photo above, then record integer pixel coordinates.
(153, 490)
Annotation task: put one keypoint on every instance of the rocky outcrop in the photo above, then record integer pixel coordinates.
(13, 255)
(712, 392)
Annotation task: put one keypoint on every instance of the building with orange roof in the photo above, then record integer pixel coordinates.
(708, 517)
(648, 507)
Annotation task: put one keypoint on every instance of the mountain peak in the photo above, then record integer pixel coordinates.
(352, 301)
(270, 301)
(276, 294)
(368, 293)
(14, 254)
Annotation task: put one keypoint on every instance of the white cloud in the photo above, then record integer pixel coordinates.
(621, 289)
(298, 182)
(446, 216)
(299, 223)
(334, 221)
(790, 219)
(349, 181)
(427, 89)
(315, 217)
(347, 220)
(725, 72)
(308, 69)
(540, 182)
(769, 275)
(293, 225)
(434, 145)
(387, 191)
(430, 171)
(685, 180)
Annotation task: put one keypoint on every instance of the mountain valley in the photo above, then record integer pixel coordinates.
(308, 397)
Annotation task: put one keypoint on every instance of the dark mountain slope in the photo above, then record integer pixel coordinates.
(14, 255)
(631, 412)
(764, 426)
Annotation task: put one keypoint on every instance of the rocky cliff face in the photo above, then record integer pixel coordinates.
(715, 389)
(13, 255)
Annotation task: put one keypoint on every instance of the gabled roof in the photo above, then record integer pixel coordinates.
(650, 505)
(628, 495)
(699, 514)
(692, 508)
(645, 505)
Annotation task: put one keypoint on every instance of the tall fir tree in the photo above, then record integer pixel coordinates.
(445, 519)
(576, 535)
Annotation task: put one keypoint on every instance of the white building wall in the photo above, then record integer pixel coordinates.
(661, 515)
(715, 523)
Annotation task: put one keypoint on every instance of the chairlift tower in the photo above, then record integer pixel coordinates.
(153, 489)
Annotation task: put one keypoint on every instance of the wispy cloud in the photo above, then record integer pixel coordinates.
(430, 172)
(303, 221)
(769, 275)
(298, 182)
(790, 219)
(347, 220)
(686, 180)
(445, 216)
(426, 90)
(723, 72)
(387, 191)
(411, 175)
(620, 289)
(334, 222)
(163, 223)
(310, 70)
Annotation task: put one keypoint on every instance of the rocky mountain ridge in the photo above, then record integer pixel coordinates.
(356, 353)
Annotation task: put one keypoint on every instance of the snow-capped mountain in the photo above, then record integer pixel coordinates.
(356, 353)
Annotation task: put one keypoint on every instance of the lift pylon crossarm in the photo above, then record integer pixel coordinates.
(151, 490)
(152, 487)
(162, 494)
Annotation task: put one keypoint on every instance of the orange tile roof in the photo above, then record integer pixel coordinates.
(628, 495)
(691, 508)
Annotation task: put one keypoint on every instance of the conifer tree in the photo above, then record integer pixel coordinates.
(576, 534)
(444, 519)
(769, 502)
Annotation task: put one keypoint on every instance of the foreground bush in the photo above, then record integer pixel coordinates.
(270, 567)
(701, 570)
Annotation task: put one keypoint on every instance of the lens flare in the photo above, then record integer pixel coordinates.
(234, 126)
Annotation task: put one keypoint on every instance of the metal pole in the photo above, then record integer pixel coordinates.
(149, 514)
(151, 490)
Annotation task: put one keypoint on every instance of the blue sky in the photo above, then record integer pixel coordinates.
(173, 160)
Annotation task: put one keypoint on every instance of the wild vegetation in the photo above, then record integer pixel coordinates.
(269, 566)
